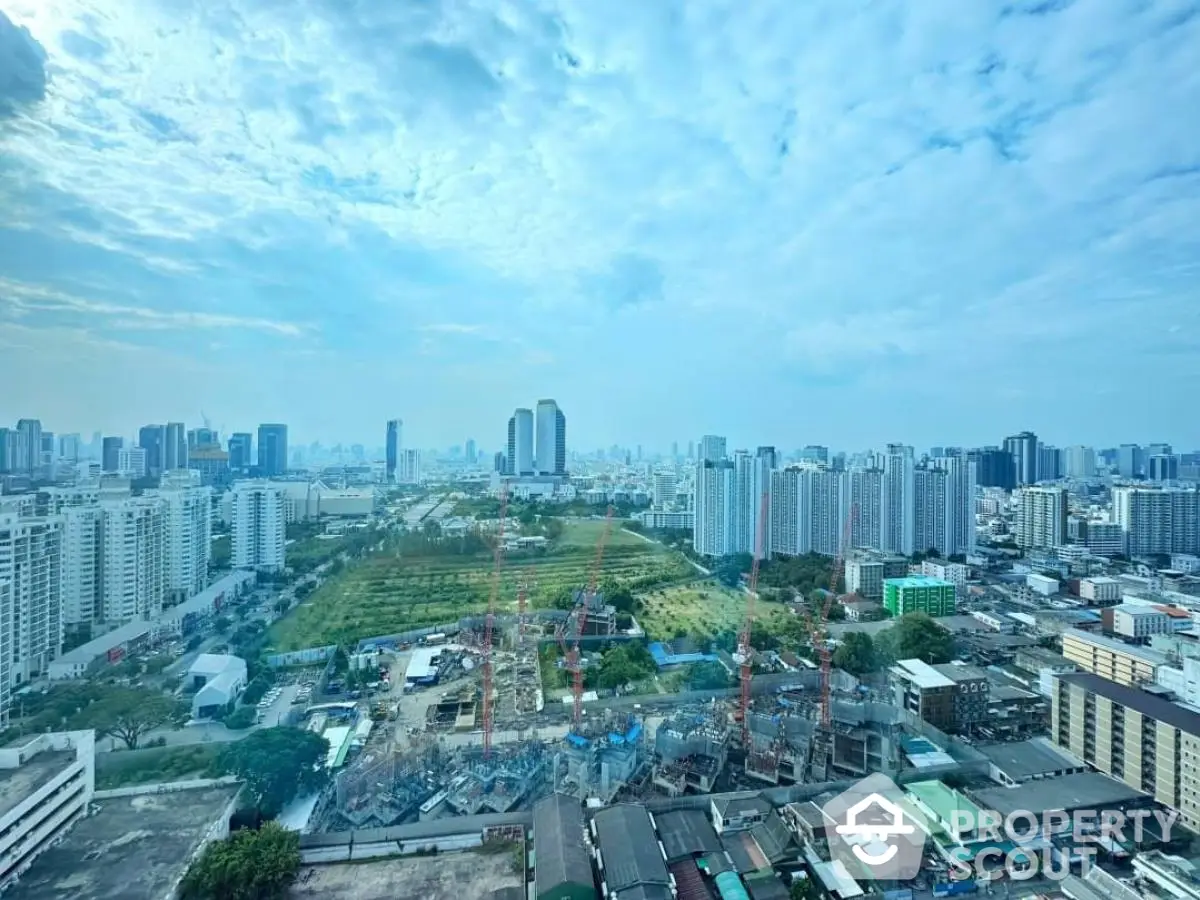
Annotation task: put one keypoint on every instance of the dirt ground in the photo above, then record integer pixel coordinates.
(449, 876)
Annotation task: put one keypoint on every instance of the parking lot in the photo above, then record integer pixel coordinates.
(276, 703)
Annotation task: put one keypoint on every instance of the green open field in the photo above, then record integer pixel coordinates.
(387, 593)
(707, 608)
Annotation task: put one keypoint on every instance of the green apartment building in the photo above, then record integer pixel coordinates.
(919, 593)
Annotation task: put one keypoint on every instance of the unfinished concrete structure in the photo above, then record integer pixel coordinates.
(602, 757)
(692, 748)
(515, 775)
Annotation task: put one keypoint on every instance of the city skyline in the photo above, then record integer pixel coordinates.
(895, 243)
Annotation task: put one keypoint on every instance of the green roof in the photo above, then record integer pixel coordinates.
(943, 801)
(916, 581)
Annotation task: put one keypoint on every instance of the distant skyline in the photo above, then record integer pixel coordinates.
(785, 222)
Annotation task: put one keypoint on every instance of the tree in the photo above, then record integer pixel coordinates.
(624, 664)
(856, 654)
(707, 676)
(240, 719)
(128, 714)
(916, 636)
(805, 889)
(278, 764)
(221, 624)
(247, 865)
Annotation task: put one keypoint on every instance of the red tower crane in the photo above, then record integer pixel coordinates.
(817, 627)
(745, 651)
(493, 596)
(574, 661)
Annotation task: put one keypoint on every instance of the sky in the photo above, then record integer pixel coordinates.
(839, 222)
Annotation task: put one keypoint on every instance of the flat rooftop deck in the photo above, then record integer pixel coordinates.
(447, 876)
(17, 784)
(134, 848)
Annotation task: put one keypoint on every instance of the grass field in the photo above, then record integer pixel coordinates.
(388, 594)
(701, 609)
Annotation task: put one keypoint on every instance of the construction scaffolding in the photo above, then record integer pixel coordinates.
(385, 788)
(498, 784)
(692, 748)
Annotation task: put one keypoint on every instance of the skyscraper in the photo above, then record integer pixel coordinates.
(1041, 520)
(1079, 462)
(392, 450)
(1129, 460)
(175, 448)
(713, 532)
(240, 443)
(110, 455)
(153, 439)
(1024, 450)
(960, 472)
(272, 450)
(10, 450)
(31, 433)
(896, 506)
(520, 442)
(712, 448)
(550, 458)
(472, 452)
(259, 525)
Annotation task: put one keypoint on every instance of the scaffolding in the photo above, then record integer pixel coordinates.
(601, 758)
(499, 784)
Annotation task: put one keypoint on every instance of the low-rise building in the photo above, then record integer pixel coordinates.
(1041, 584)
(631, 858)
(1019, 762)
(925, 692)
(218, 680)
(46, 783)
(1131, 621)
(863, 610)
(1100, 591)
(919, 593)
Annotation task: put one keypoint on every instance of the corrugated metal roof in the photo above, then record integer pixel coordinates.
(629, 848)
(558, 841)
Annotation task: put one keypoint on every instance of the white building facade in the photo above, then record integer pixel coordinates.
(259, 526)
(133, 560)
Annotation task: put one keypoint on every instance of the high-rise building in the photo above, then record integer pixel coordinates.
(31, 436)
(1158, 520)
(1129, 460)
(69, 447)
(1163, 467)
(31, 608)
(807, 510)
(471, 452)
(83, 528)
(1041, 520)
(500, 462)
(175, 446)
(745, 507)
(392, 449)
(560, 442)
(240, 445)
(1024, 450)
(131, 461)
(930, 503)
(110, 457)
(995, 468)
(272, 450)
(259, 526)
(1050, 463)
(866, 498)
(665, 489)
(49, 450)
(10, 450)
(153, 439)
(409, 470)
(713, 532)
(520, 442)
(547, 416)
(188, 534)
(1079, 462)
(133, 561)
(712, 448)
(691, 450)
(960, 472)
(815, 453)
(896, 502)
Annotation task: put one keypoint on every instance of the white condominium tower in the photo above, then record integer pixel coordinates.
(1158, 520)
(929, 510)
(30, 598)
(259, 526)
(712, 448)
(960, 502)
(83, 531)
(716, 503)
(897, 501)
(189, 533)
(1041, 520)
(133, 560)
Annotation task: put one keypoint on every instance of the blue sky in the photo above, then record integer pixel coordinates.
(839, 222)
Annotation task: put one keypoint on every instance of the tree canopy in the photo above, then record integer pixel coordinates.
(856, 654)
(248, 865)
(625, 664)
(703, 676)
(278, 764)
(916, 636)
(128, 714)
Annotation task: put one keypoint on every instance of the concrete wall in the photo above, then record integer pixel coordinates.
(165, 787)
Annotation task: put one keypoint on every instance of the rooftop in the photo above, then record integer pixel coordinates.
(1133, 609)
(1151, 705)
(922, 674)
(1153, 657)
(687, 833)
(1083, 790)
(132, 848)
(1029, 759)
(916, 581)
(17, 784)
(957, 672)
(447, 876)
(630, 848)
(558, 842)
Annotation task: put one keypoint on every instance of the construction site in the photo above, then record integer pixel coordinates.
(820, 726)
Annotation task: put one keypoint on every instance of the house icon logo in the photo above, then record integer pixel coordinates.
(874, 833)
